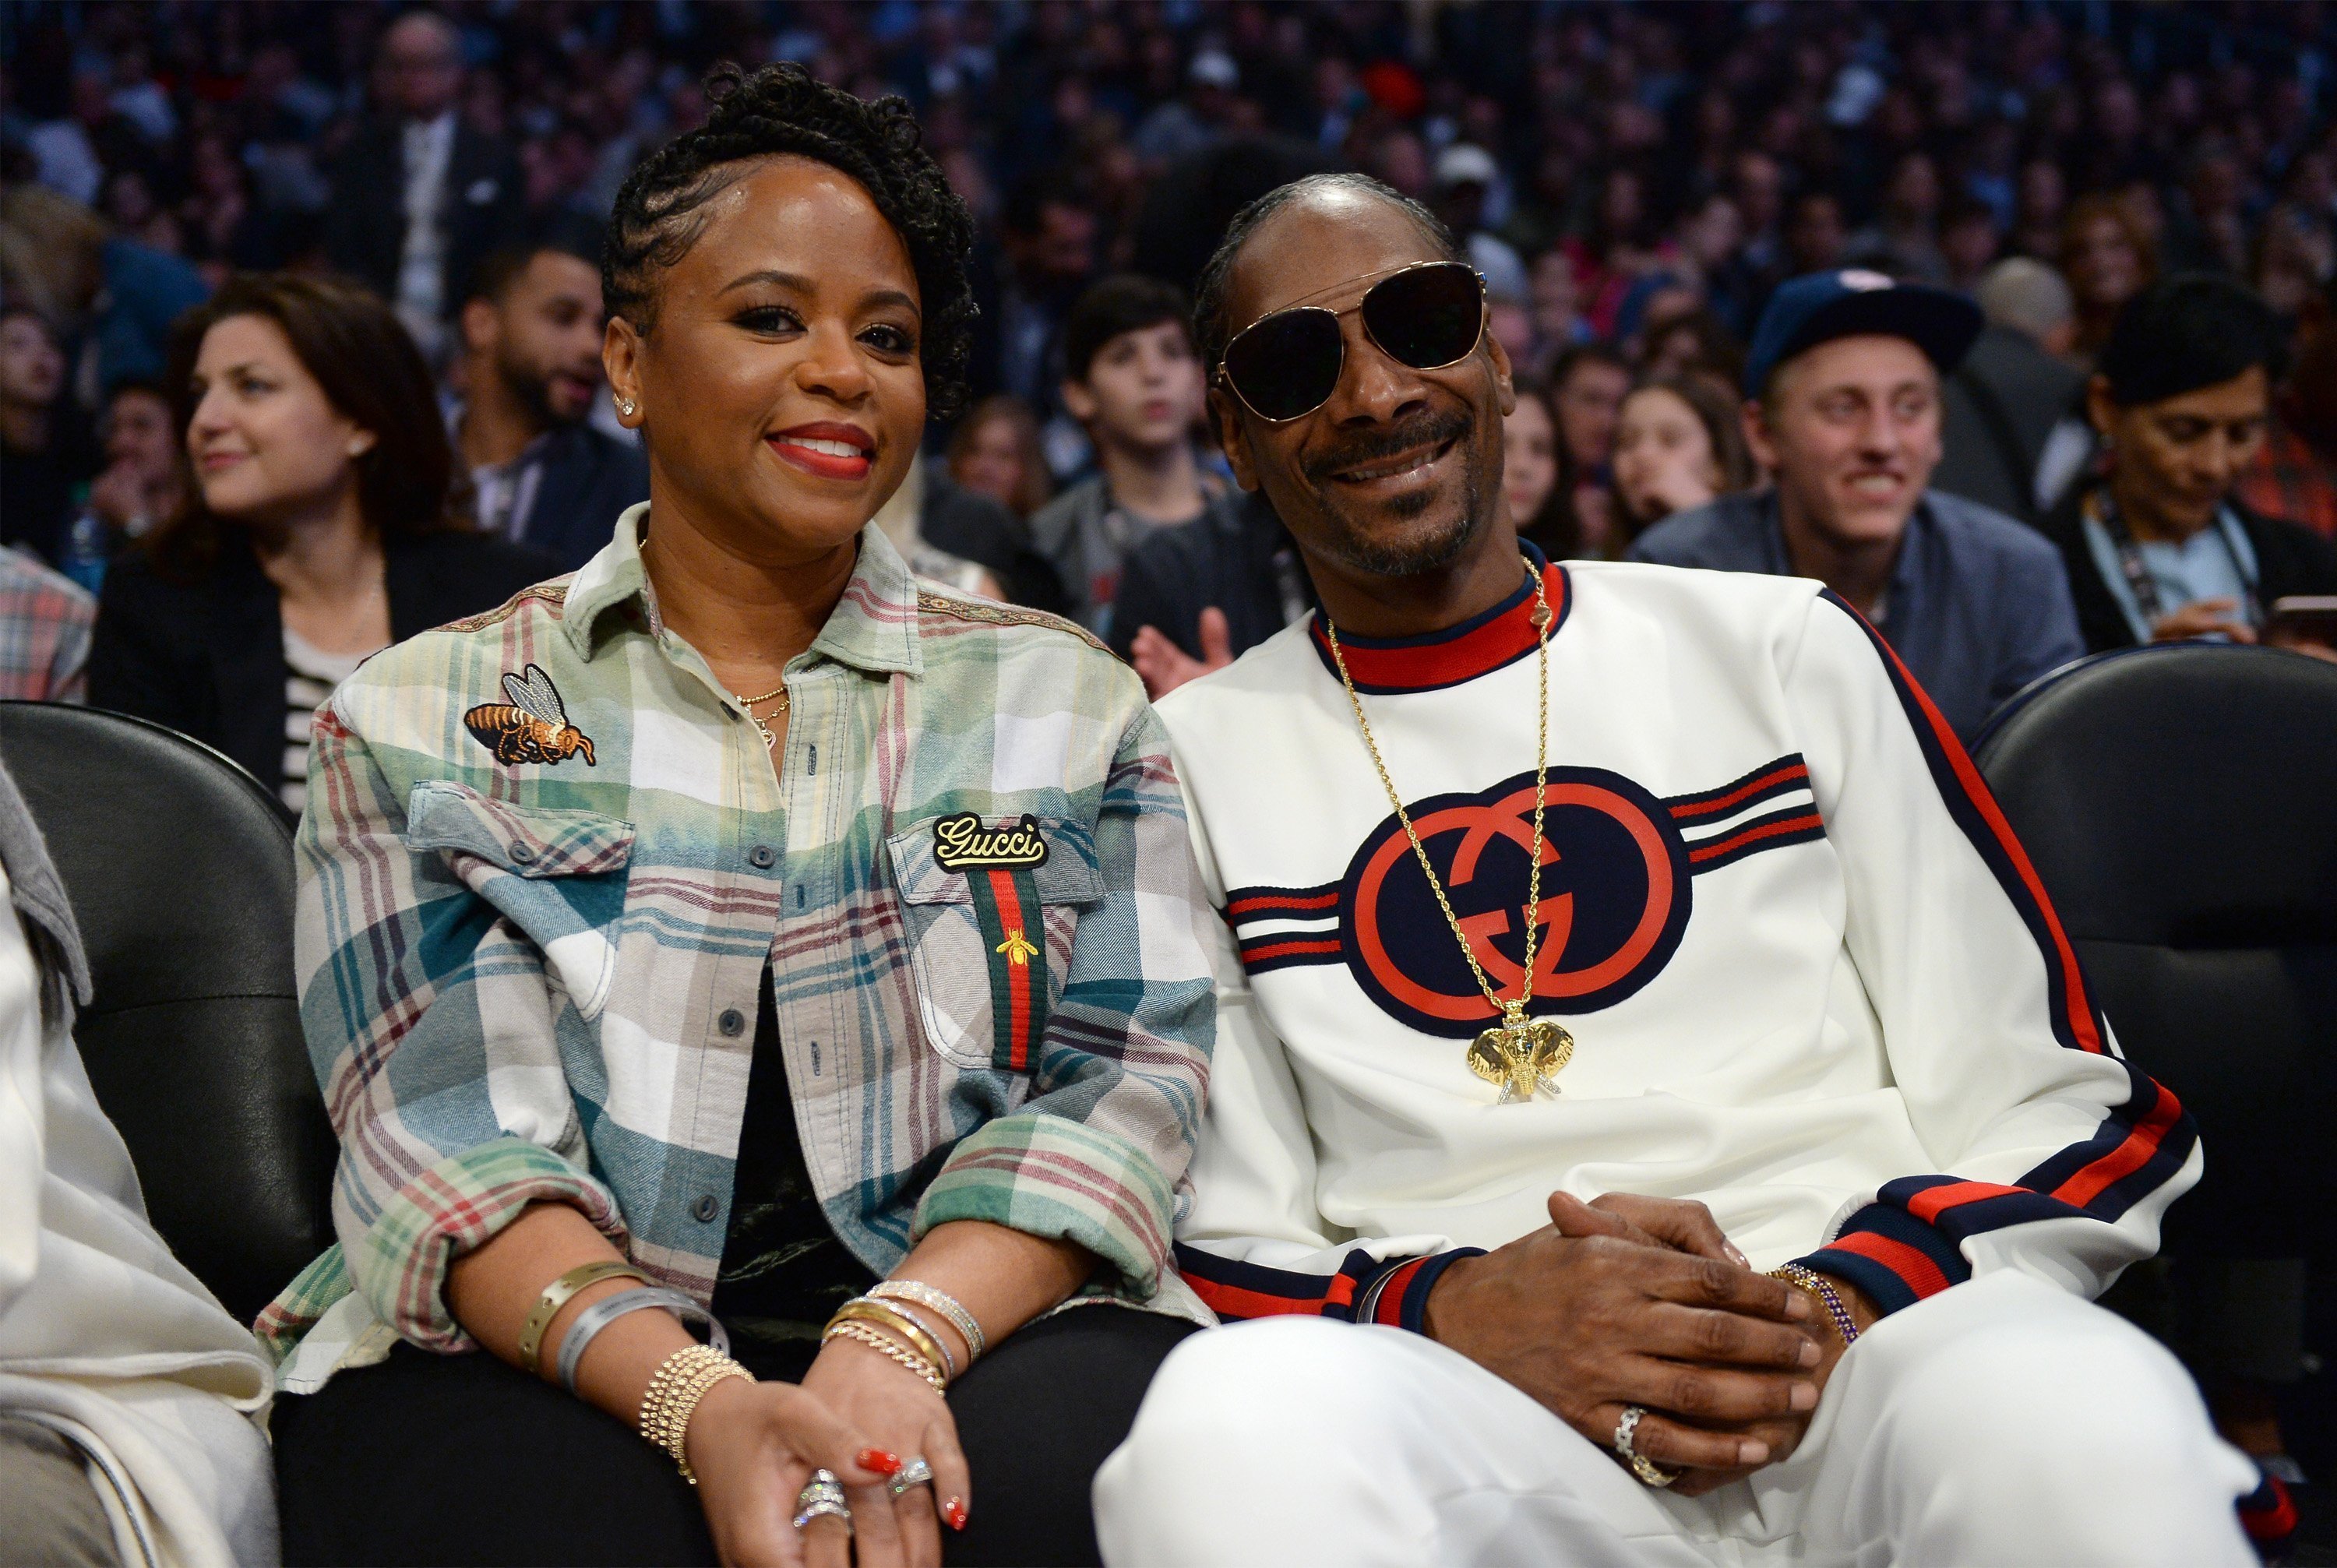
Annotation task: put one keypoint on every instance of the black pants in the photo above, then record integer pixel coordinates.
(460, 1459)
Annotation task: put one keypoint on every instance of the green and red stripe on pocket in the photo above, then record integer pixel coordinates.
(1014, 937)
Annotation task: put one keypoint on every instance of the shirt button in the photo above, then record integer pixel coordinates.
(522, 853)
(732, 1022)
(706, 1208)
(761, 856)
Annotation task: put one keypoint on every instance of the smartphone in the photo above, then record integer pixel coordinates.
(2304, 618)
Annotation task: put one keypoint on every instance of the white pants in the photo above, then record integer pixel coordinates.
(2002, 1423)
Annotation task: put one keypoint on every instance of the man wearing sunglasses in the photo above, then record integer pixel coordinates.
(1564, 1227)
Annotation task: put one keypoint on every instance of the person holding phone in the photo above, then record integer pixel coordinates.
(2163, 550)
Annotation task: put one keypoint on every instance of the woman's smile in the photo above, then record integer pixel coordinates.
(827, 450)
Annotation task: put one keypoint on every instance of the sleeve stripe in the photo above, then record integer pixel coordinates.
(2140, 1150)
(1770, 778)
(1234, 1289)
(1916, 1226)
(1975, 811)
(1921, 1275)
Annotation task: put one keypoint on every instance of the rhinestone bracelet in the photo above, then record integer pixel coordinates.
(939, 1300)
(1819, 1286)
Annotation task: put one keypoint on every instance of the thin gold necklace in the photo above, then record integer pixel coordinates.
(770, 739)
(1519, 1054)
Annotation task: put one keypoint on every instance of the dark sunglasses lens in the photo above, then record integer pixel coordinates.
(1427, 317)
(1287, 364)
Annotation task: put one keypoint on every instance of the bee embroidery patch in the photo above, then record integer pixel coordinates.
(532, 727)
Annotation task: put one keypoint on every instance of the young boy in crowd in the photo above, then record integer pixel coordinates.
(1131, 377)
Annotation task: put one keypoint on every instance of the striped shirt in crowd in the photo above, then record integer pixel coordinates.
(309, 676)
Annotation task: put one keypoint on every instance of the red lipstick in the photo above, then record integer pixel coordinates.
(827, 450)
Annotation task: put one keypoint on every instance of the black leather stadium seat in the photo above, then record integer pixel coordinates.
(179, 866)
(2180, 803)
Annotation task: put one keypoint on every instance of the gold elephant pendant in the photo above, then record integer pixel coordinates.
(1521, 1057)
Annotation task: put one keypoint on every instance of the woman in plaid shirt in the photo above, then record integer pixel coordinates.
(746, 912)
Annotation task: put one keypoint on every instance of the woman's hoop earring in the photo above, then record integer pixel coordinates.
(625, 405)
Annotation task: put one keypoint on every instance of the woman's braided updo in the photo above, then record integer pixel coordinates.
(780, 109)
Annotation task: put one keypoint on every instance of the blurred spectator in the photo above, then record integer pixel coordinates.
(316, 531)
(540, 473)
(1556, 306)
(994, 451)
(420, 197)
(1815, 238)
(46, 450)
(1197, 598)
(1132, 380)
(1845, 373)
(1904, 239)
(1679, 445)
(113, 294)
(44, 624)
(2163, 550)
(1586, 386)
(1049, 237)
(2295, 474)
(1531, 469)
(2107, 259)
(1464, 174)
(1687, 341)
(139, 488)
(2003, 403)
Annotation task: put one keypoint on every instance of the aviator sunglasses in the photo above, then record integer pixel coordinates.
(1287, 364)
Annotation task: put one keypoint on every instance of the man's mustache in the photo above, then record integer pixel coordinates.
(1363, 447)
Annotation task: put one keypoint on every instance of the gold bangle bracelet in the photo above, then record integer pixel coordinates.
(949, 1363)
(885, 1344)
(558, 1294)
(884, 1315)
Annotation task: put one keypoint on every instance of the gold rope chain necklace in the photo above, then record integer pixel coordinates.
(770, 740)
(1519, 1054)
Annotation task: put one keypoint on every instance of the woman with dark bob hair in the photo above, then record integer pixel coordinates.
(314, 529)
(742, 941)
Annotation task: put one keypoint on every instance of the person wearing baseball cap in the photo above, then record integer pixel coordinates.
(1842, 409)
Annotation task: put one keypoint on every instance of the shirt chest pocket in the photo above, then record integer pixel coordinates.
(990, 944)
(558, 875)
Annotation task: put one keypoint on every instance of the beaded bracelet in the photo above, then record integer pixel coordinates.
(941, 1301)
(876, 1339)
(1819, 1286)
(682, 1381)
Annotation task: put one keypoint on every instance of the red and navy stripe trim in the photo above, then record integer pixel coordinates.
(1479, 645)
(1907, 1245)
(1776, 829)
(1727, 835)
(1305, 921)
(1365, 1289)
(1784, 777)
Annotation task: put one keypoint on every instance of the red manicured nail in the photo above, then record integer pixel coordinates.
(954, 1512)
(878, 1459)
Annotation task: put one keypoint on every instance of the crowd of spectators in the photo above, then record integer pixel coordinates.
(1634, 184)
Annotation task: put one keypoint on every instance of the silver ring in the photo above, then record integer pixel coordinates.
(1649, 1473)
(915, 1474)
(826, 1508)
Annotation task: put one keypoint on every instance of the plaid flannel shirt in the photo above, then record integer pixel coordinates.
(45, 619)
(2287, 478)
(529, 951)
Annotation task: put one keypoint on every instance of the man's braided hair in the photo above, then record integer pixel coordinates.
(777, 110)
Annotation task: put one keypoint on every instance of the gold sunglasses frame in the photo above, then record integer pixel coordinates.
(1484, 314)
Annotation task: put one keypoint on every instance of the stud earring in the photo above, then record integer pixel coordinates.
(625, 405)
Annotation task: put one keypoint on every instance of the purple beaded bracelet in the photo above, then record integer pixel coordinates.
(1819, 1286)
